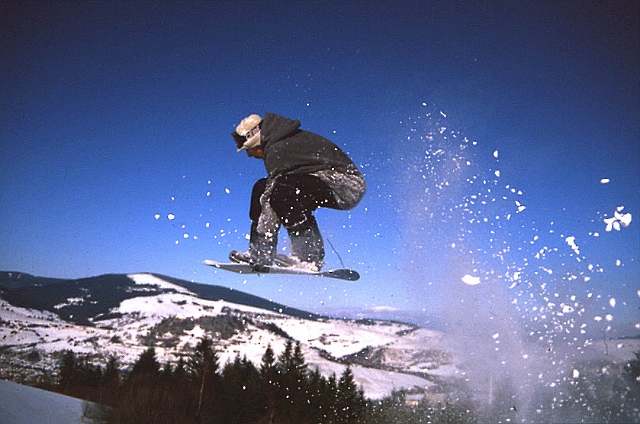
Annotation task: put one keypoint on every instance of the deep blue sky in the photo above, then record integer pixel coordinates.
(113, 113)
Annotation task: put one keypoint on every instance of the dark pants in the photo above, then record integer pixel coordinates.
(294, 198)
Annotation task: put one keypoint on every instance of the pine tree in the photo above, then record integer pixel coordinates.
(87, 380)
(351, 404)
(267, 365)
(320, 399)
(241, 393)
(204, 359)
(285, 359)
(299, 385)
(78, 377)
(298, 366)
(269, 383)
(178, 393)
(68, 370)
(112, 373)
(332, 395)
(141, 396)
(293, 393)
(253, 388)
(203, 366)
(110, 383)
(147, 365)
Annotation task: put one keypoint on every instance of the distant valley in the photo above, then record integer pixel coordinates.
(122, 315)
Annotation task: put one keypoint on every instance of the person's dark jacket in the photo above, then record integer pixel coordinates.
(290, 150)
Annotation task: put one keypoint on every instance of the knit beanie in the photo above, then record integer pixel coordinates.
(247, 135)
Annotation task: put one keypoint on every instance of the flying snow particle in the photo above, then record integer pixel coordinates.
(157, 216)
(612, 302)
(497, 173)
(171, 217)
(576, 373)
(618, 219)
(226, 190)
(605, 181)
(495, 154)
(470, 280)
(185, 235)
(571, 241)
(611, 223)
(625, 219)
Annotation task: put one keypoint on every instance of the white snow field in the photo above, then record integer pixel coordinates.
(27, 405)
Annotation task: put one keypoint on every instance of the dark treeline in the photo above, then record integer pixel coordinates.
(198, 390)
(284, 390)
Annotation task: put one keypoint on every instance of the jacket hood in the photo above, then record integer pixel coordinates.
(276, 127)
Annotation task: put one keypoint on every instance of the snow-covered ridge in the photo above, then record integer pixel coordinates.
(180, 305)
(152, 280)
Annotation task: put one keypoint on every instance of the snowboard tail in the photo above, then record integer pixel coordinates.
(243, 268)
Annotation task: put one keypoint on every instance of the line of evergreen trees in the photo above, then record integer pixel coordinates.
(284, 390)
(198, 390)
(281, 390)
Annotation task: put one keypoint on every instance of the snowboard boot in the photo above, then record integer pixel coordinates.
(240, 257)
(292, 261)
(260, 253)
(307, 246)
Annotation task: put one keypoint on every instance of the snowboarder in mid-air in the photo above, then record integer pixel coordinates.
(305, 171)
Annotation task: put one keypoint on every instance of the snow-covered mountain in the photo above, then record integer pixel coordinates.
(123, 315)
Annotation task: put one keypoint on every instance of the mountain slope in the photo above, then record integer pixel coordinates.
(79, 300)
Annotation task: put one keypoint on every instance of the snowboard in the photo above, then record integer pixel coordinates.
(241, 268)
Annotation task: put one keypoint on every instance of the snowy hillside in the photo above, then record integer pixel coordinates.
(172, 317)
